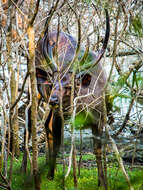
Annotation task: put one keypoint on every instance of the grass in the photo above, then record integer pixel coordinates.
(85, 157)
(86, 181)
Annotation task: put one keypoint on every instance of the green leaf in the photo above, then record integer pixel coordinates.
(83, 119)
(137, 25)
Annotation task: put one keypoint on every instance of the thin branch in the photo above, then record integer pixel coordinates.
(123, 53)
(22, 89)
(51, 12)
(137, 49)
(35, 13)
(5, 180)
(114, 49)
(70, 161)
(126, 118)
(19, 10)
(80, 158)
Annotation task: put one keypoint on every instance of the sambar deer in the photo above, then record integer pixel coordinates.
(54, 72)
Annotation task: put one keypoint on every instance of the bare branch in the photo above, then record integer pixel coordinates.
(21, 92)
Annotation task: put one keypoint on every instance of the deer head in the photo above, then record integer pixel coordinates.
(57, 50)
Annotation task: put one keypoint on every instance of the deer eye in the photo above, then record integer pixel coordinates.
(86, 79)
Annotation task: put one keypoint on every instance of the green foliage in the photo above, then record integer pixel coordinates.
(139, 80)
(86, 1)
(121, 91)
(118, 91)
(83, 119)
(118, 85)
(137, 25)
(87, 63)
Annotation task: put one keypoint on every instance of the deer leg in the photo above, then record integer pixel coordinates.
(48, 128)
(53, 132)
(97, 133)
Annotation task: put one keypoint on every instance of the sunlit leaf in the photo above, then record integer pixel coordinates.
(83, 119)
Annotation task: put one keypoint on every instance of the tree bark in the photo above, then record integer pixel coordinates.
(12, 121)
(31, 69)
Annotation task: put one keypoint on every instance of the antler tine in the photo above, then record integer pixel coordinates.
(79, 32)
(45, 36)
(47, 53)
(78, 44)
(106, 39)
(56, 45)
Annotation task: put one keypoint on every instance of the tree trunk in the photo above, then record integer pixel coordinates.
(31, 69)
(74, 168)
(80, 158)
(12, 121)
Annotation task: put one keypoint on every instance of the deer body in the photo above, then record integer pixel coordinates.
(54, 60)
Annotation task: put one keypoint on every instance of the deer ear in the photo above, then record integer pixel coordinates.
(41, 75)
